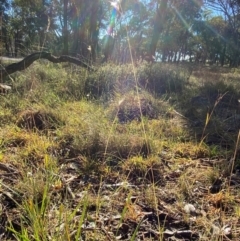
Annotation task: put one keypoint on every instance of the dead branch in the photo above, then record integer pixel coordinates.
(27, 61)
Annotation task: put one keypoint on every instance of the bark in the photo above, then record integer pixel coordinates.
(94, 29)
(27, 61)
(159, 21)
(65, 27)
(223, 54)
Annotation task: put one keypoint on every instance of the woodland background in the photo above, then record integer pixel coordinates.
(205, 31)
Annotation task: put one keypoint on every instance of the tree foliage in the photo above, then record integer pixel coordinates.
(204, 31)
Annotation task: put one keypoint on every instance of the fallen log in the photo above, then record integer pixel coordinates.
(27, 61)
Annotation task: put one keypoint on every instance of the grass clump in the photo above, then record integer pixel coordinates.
(38, 119)
(108, 79)
(163, 78)
(142, 169)
(130, 106)
(98, 139)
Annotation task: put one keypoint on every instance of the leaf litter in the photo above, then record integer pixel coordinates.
(154, 210)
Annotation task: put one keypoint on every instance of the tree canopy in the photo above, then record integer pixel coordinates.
(204, 31)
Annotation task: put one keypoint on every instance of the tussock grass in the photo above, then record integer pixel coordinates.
(130, 106)
(101, 155)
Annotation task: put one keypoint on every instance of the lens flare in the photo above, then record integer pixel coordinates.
(181, 18)
(112, 21)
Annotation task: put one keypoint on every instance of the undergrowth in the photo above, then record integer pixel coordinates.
(103, 156)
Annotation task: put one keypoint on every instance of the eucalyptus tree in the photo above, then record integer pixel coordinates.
(230, 10)
(66, 26)
(4, 6)
(146, 27)
(210, 38)
(172, 24)
(84, 22)
(130, 31)
(32, 22)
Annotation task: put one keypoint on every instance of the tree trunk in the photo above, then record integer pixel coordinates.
(65, 27)
(94, 29)
(222, 55)
(159, 21)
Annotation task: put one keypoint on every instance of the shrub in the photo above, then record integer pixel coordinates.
(161, 78)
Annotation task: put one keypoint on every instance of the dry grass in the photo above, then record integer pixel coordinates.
(134, 164)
